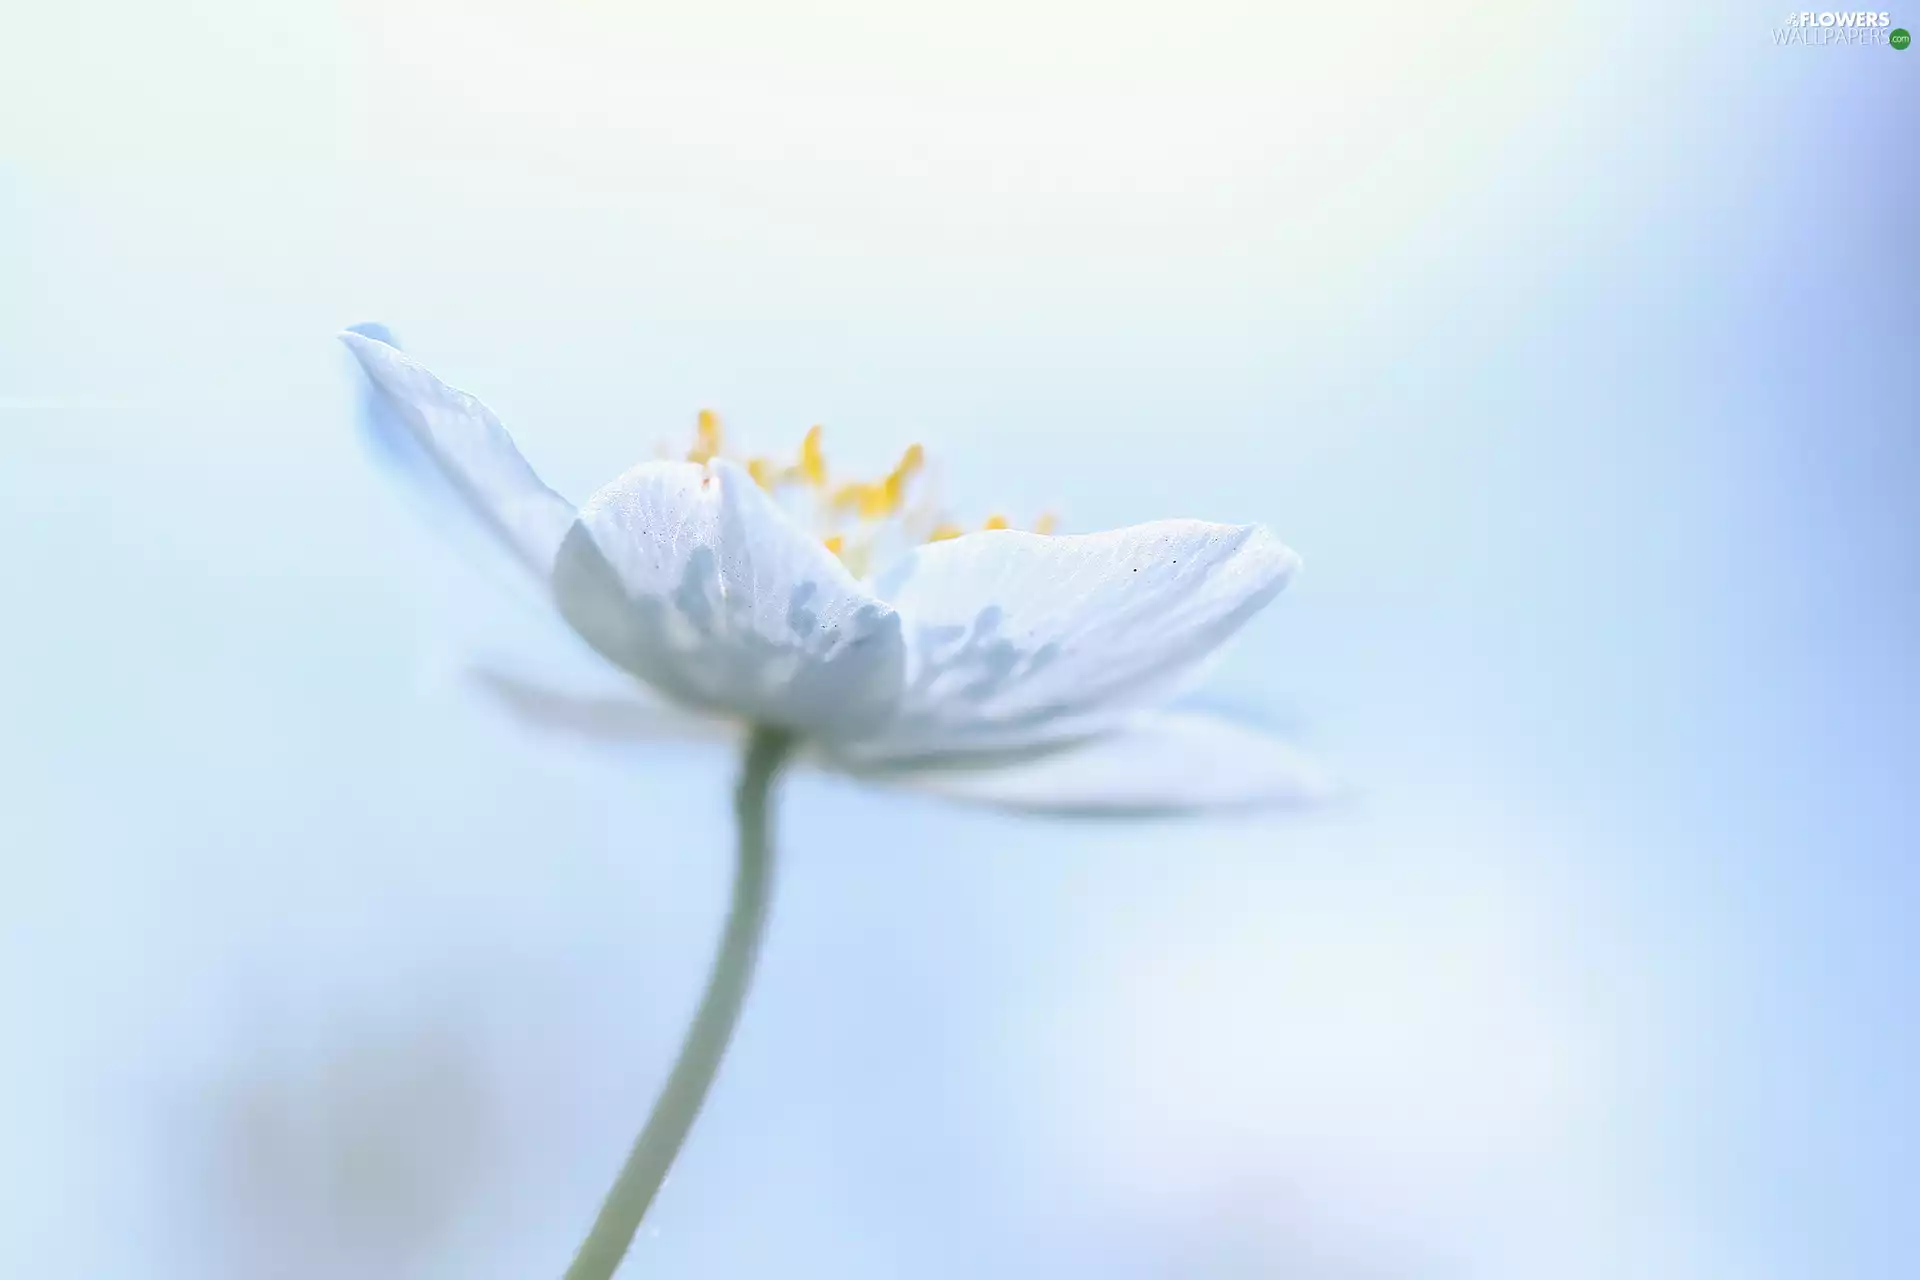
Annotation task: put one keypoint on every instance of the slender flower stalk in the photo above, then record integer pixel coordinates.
(712, 1027)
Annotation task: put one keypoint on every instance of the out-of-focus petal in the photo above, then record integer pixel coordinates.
(617, 720)
(449, 442)
(694, 580)
(1018, 640)
(1168, 762)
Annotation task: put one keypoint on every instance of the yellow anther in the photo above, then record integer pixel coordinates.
(813, 462)
(855, 495)
(894, 489)
(707, 439)
(869, 501)
(875, 516)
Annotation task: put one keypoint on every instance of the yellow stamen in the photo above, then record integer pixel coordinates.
(708, 438)
(867, 499)
(893, 490)
(892, 493)
(873, 518)
(813, 462)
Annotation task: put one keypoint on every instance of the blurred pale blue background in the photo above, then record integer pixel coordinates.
(1570, 345)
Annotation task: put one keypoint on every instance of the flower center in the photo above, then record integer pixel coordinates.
(864, 522)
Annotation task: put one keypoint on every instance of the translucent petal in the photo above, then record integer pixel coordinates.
(691, 578)
(447, 441)
(1017, 640)
(1159, 763)
(607, 718)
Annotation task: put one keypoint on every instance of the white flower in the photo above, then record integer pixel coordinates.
(1000, 667)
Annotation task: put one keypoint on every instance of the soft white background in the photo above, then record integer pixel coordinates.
(1570, 345)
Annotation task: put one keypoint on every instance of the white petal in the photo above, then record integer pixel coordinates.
(1165, 762)
(448, 440)
(1017, 639)
(693, 579)
(612, 719)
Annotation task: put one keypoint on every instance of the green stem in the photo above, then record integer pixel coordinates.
(706, 1043)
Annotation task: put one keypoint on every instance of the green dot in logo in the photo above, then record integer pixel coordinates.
(1899, 38)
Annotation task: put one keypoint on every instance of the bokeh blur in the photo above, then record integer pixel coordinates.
(1570, 344)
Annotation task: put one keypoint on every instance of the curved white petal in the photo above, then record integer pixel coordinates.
(1019, 640)
(1165, 762)
(693, 579)
(611, 719)
(449, 441)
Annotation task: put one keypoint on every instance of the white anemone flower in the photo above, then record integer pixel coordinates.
(1002, 667)
(1025, 670)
